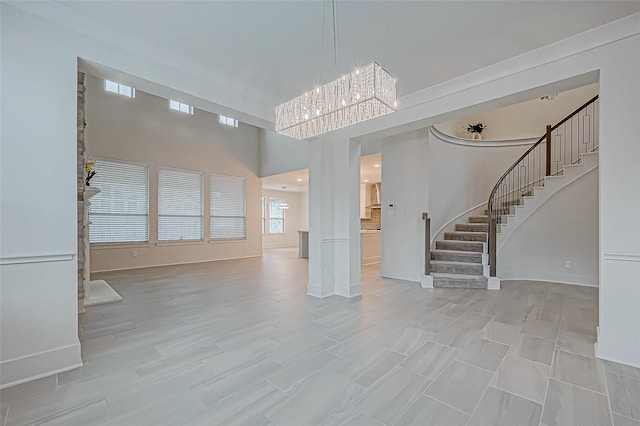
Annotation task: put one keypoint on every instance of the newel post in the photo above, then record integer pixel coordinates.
(548, 150)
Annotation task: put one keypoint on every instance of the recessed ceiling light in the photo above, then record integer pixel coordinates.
(366, 180)
(376, 165)
(299, 180)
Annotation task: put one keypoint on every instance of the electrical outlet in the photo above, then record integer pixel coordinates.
(567, 264)
(134, 253)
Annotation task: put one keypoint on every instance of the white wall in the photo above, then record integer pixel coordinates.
(281, 154)
(462, 177)
(145, 130)
(619, 328)
(291, 220)
(563, 228)
(421, 173)
(38, 311)
(524, 119)
(303, 216)
(405, 185)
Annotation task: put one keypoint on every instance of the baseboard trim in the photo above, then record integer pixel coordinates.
(318, 291)
(613, 359)
(42, 364)
(37, 258)
(370, 260)
(493, 283)
(426, 281)
(174, 264)
(355, 290)
(582, 281)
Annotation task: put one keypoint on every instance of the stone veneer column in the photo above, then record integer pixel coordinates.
(82, 222)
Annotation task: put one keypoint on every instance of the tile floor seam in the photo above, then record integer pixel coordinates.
(578, 386)
(546, 389)
(479, 401)
(605, 369)
(624, 415)
(489, 385)
(438, 376)
(606, 388)
(537, 362)
(443, 403)
(519, 396)
(573, 353)
(481, 368)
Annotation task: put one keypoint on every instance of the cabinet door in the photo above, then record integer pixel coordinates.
(363, 205)
(365, 200)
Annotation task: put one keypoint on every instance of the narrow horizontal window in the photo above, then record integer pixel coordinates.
(228, 121)
(179, 106)
(121, 89)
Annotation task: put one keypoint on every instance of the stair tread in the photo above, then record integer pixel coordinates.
(455, 262)
(456, 251)
(449, 275)
(466, 232)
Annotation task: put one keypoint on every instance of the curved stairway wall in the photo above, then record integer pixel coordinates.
(426, 172)
(559, 223)
(461, 175)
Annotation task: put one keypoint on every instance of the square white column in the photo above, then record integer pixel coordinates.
(334, 217)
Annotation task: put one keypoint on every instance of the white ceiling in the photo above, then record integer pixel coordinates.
(298, 181)
(270, 51)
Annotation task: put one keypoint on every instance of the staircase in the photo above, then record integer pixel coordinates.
(457, 260)
(466, 258)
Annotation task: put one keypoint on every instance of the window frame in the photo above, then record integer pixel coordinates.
(119, 91)
(224, 120)
(147, 215)
(180, 105)
(159, 215)
(264, 215)
(283, 218)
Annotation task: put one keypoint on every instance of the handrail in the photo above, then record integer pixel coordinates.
(560, 153)
(427, 243)
(583, 106)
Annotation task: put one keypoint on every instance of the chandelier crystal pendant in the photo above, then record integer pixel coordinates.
(367, 92)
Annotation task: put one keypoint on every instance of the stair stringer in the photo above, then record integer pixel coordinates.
(552, 186)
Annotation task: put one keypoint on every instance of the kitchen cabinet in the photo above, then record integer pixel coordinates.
(365, 200)
(370, 247)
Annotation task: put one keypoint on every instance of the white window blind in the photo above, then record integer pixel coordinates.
(276, 216)
(180, 205)
(120, 211)
(228, 207)
(264, 217)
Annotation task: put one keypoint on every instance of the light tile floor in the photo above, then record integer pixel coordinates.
(239, 343)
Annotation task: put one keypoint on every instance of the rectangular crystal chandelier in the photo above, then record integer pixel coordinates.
(367, 92)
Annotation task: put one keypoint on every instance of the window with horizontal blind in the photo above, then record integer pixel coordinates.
(264, 215)
(120, 211)
(276, 215)
(228, 207)
(180, 205)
